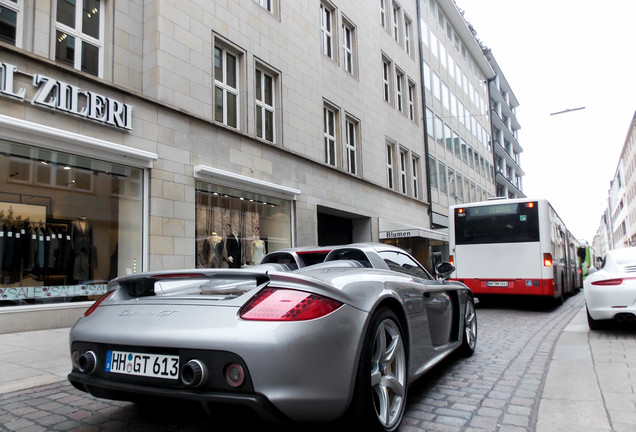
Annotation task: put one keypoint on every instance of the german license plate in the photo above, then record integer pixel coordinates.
(143, 364)
(497, 283)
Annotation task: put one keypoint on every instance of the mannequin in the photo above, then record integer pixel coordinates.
(258, 248)
(82, 243)
(216, 243)
(233, 250)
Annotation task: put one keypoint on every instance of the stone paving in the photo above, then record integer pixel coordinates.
(497, 389)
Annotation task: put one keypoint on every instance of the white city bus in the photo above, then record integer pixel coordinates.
(514, 246)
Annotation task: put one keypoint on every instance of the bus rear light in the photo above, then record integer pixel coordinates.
(451, 259)
(547, 260)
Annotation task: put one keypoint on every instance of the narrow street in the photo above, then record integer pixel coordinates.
(497, 389)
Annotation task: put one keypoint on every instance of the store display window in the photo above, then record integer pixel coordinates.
(68, 224)
(235, 228)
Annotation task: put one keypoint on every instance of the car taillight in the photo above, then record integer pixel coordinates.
(273, 304)
(608, 282)
(97, 303)
(547, 260)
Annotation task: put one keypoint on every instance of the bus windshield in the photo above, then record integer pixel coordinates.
(497, 223)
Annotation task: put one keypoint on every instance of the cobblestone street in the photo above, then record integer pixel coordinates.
(497, 389)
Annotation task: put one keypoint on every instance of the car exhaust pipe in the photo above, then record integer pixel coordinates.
(194, 373)
(87, 362)
(626, 318)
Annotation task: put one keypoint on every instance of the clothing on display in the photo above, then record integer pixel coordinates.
(233, 250)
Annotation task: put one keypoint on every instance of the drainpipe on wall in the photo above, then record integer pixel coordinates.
(423, 91)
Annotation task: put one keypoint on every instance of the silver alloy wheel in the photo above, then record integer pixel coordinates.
(470, 325)
(388, 373)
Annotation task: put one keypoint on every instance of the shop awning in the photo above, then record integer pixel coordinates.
(389, 229)
(229, 179)
(51, 138)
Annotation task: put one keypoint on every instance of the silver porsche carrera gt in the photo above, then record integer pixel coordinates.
(342, 339)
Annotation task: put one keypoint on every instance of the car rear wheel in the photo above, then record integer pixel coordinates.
(592, 323)
(380, 393)
(470, 329)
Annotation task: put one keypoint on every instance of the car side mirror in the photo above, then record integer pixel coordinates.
(443, 270)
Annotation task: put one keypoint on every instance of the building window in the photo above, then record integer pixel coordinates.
(448, 138)
(452, 190)
(348, 41)
(81, 218)
(430, 126)
(78, 35)
(265, 100)
(464, 151)
(442, 178)
(389, 166)
(427, 76)
(467, 190)
(266, 4)
(396, 22)
(411, 102)
(456, 145)
(226, 87)
(437, 89)
(11, 13)
(237, 228)
(386, 80)
(330, 119)
(415, 175)
(439, 131)
(432, 172)
(407, 35)
(445, 97)
(352, 145)
(326, 29)
(460, 188)
(399, 89)
(383, 13)
(403, 169)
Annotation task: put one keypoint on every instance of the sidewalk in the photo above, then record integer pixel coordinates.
(33, 358)
(591, 381)
(590, 384)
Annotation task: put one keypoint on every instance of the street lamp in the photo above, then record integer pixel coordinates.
(567, 110)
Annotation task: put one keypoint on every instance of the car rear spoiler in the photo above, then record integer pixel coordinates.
(143, 285)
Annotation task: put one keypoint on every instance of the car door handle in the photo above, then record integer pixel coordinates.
(427, 294)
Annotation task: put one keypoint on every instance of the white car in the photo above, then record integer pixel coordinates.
(610, 291)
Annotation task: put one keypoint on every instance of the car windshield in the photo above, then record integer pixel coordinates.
(281, 258)
(311, 258)
(350, 254)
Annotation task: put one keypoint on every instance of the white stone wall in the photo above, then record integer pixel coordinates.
(158, 56)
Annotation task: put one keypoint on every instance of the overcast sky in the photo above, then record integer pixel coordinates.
(558, 55)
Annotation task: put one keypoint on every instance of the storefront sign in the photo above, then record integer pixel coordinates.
(43, 292)
(399, 234)
(60, 96)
